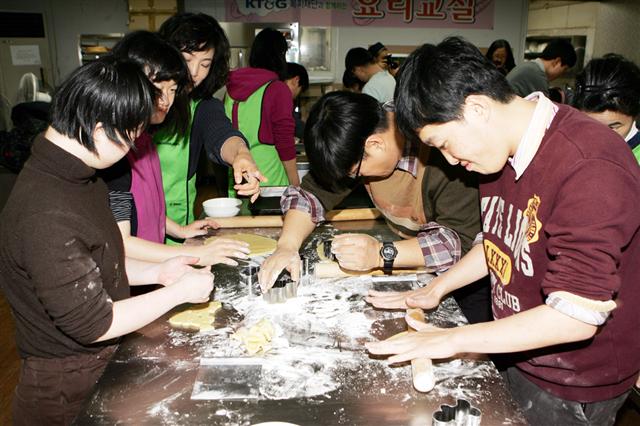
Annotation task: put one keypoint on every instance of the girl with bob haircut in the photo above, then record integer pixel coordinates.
(70, 295)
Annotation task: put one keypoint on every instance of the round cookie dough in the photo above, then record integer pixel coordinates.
(258, 244)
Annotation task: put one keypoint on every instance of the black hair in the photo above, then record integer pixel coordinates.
(560, 48)
(351, 82)
(268, 51)
(198, 32)
(160, 61)
(113, 92)
(375, 48)
(509, 63)
(434, 82)
(357, 57)
(296, 70)
(609, 83)
(336, 131)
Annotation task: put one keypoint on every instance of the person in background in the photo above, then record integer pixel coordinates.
(501, 55)
(534, 76)
(351, 139)
(297, 79)
(135, 183)
(382, 56)
(608, 90)
(62, 263)
(351, 83)
(259, 104)
(564, 270)
(377, 81)
(205, 48)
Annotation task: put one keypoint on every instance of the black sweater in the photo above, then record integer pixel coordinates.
(61, 255)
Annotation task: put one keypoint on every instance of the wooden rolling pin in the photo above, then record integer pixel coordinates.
(275, 221)
(421, 368)
(331, 269)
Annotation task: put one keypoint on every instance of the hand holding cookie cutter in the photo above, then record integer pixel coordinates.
(462, 414)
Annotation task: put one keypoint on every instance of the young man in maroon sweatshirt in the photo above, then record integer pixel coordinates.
(559, 201)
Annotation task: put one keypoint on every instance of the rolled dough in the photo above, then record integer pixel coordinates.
(197, 317)
(258, 244)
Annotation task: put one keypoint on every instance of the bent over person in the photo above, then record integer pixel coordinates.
(560, 238)
(350, 138)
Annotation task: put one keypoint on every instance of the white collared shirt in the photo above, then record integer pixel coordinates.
(540, 121)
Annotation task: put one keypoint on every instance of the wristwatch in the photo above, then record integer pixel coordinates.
(388, 253)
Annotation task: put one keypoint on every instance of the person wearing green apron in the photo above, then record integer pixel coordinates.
(205, 48)
(260, 105)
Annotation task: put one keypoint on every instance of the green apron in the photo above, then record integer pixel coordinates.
(179, 190)
(265, 156)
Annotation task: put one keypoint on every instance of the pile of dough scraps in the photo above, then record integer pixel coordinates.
(256, 338)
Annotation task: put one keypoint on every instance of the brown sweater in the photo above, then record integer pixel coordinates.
(61, 256)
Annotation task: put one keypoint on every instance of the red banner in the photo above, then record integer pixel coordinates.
(467, 14)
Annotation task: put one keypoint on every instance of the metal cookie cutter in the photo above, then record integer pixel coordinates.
(462, 414)
(249, 275)
(283, 289)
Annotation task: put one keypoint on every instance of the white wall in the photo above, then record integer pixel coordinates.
(510, 23)
(67, 19)
(617, 29)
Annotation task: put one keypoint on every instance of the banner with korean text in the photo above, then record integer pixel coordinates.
(467, 14)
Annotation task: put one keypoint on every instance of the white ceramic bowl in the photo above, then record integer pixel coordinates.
(222, 207)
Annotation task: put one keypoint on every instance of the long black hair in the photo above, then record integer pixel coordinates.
(197, 32)
(509, 63)
(161, 62)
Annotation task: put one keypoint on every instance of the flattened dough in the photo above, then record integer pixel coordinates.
(258, 244)
(197, 317)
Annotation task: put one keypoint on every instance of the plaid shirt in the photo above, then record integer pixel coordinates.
(440, 246)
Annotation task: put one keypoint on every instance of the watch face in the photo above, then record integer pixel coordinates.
(389, 252)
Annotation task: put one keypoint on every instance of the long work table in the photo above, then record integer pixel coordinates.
(317, 371)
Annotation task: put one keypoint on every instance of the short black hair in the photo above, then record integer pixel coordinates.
(113, 92)
(375, 48)
(296, 70)
(268, 51)
(197, 32)
(335, 134)
(434, 82)
(610, 83)
(161, 61)
(510, 62)
(357, 57)
(560, 48)
(351, 82)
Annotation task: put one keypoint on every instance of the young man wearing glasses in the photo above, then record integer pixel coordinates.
(349, 138)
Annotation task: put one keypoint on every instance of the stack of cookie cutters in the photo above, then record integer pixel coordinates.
(461, 414)
(284, 288)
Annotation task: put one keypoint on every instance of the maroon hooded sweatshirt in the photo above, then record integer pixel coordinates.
(277, 126)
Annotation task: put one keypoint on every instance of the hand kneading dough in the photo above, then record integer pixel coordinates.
(257, 337)
(199, 317)
(258, 244)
